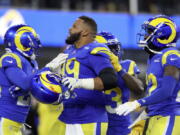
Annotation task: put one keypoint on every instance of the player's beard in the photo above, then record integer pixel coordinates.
(71, 39)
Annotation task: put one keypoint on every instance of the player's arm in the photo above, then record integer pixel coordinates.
(168, 83)
(91, 98)
(18, 77)
(12, 66)
(132, 82)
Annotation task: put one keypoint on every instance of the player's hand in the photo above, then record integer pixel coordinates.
(16, 91)
(56, 63)
(127, 107)
(115, 62)
(71, 83)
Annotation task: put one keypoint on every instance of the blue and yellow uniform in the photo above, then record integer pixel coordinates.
(85, 62)
(119, 124)
(14, 110)
(164, 115)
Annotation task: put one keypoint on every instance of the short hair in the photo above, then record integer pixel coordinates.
(90, 22)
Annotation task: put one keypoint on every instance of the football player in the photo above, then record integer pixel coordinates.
(17, 66)
(162, 101)
(127, 81)
(88, 70)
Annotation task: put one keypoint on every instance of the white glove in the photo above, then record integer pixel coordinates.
(142, 116)
(56, 63)
(73, 83)
(126, 108)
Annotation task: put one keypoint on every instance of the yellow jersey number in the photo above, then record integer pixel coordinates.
(151, 78)
(117, 98)
(71, 67)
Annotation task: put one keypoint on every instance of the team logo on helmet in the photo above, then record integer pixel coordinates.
(47, 88)
(159, 32)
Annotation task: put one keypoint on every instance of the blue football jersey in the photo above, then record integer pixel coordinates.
(155, 71)
(85, 62)
(119, 124)
(15, 109)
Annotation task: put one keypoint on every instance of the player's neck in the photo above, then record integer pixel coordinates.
(83, 41)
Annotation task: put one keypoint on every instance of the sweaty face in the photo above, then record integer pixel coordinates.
(75, 32)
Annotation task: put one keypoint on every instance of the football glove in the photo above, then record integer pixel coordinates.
(115, 62)
(126, 108)
(73, 83)
(56, 63)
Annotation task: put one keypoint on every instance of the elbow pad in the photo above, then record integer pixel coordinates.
(109, 78)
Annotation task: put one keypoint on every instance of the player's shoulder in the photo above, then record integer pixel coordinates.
(100, 49)
(130, 66)
(10, 59)
(170, 56)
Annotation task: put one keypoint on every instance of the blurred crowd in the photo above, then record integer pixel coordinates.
(144, 6)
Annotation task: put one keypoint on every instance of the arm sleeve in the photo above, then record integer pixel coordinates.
(18, 77)
(165, 91)
(90, 98)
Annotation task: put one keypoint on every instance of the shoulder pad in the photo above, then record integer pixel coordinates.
(171, 57)
(9, 60)
(130, 67)
(102, 50)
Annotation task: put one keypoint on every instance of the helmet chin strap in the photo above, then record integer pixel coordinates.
(153, 51)
(144, 44)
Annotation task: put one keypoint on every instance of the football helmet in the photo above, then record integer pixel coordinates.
(22, 39)
(48, 88)
(157, 33)
(111, 41)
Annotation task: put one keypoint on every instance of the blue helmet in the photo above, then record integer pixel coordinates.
(111, 41)
(159, 32)
(48, 88)
(22, 39)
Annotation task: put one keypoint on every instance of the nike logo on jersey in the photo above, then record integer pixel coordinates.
(86, 48)
(157, 60)
(9, 61)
